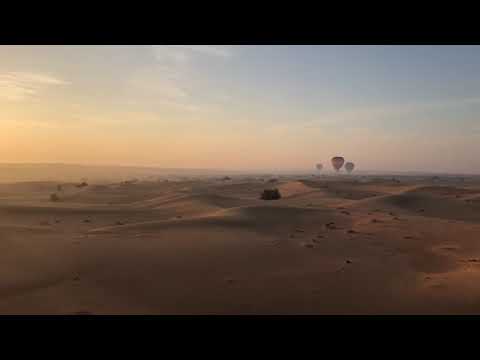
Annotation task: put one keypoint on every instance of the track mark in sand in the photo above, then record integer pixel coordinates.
(308, 245)
(439, 286)
(82, 313)
(347, 264)
(429, 262)
(332, 226)
(449, 248)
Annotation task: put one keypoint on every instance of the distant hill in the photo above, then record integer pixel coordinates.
(72, 172)
(20, 172)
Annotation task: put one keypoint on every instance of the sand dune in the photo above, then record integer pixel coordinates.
(328, 246)
(444, 203)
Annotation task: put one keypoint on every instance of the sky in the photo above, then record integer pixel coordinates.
(386, 108)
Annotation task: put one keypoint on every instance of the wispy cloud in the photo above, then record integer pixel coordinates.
(17, 86)
(172, 79)
(222, 51)
(181, 54)
(377, 116)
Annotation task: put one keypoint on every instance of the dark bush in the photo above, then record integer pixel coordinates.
(81, 185)
(271, 194)
(54, 197)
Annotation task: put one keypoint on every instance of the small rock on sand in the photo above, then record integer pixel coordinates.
(449, 248)
(330, 225)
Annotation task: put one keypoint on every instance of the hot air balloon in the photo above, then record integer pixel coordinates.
(349, 166)
(337, 162)
(319, 167)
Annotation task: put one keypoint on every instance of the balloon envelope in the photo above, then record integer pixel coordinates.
(337, 162)
(349, 166)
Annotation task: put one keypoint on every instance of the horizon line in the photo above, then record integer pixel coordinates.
(278, 171)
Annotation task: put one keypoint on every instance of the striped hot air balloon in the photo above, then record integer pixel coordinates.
(337, 162)
(349, 166)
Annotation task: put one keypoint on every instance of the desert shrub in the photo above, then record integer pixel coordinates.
(271, 194)
(272, 180)
(226, 178)
(82, 184)
(54, 197)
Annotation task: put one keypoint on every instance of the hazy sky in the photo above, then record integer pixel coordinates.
(242, 107)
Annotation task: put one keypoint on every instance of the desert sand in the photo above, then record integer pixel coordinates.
(330, 245)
